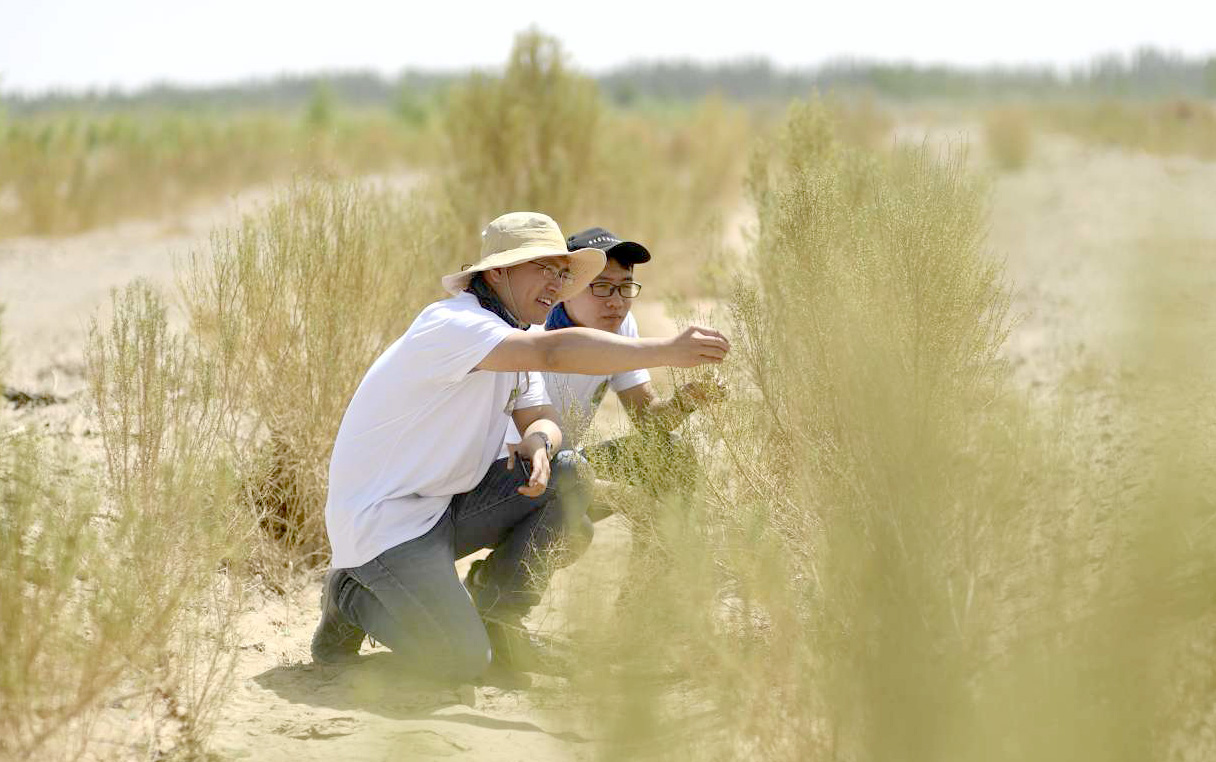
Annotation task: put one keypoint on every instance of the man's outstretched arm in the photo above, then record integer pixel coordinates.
(592, 352)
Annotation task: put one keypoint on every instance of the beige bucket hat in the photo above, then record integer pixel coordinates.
(519, 237)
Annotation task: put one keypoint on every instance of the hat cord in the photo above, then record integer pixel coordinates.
(490, 301)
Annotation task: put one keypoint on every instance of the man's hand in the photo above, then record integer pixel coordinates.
(704, 391)
(697, 345)
(531, 448)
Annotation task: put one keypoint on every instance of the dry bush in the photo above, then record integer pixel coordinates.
(104, 576)
(525, 140)
(156, 401)
(66, 641)
(1008, 137)
(1178, 127)
(892, 554)
(540, 137)
(291, 309)
(69, 173)
(675, 183)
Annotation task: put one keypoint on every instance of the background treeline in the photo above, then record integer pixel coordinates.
(1147, 73)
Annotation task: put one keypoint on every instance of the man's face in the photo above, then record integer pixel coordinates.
(605, 313)
(533, 287)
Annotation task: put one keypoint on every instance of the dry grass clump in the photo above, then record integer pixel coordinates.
(169, 478)
(69, 173)
(892, 555)
(291, 309)
(1008, 137)
(525, 140)
(109, 580)
(1180, 127)
(673, 182)
(541, 137)
(64, 641)
(3, 351)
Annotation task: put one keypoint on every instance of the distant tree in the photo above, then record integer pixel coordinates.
(322, 108)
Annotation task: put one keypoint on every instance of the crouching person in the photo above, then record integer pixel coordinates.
(416, 480)
(655, 457)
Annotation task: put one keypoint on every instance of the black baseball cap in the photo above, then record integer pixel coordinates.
(628, 253)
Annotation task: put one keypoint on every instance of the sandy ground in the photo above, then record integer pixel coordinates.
(1069, 227)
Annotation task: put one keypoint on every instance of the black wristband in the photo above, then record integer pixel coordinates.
(548, 443)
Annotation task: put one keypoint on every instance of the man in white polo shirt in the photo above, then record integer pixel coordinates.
(415, 478)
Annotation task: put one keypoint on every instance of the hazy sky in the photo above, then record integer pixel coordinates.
(81, 43)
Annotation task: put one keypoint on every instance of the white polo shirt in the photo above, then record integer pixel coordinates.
(423, 425)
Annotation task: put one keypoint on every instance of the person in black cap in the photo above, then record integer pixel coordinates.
(655, 457)
(605, 305)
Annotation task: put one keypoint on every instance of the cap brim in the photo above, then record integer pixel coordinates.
(628, 253)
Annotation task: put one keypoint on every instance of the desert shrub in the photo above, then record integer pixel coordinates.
(525, 140)
(674, 182)
(540, 137)
(155, 398)
(1179, 127)
(1008, 137)
(291, 309)
(64, 640)
(67, 173)
(104, 575)
(891, 553)
(868, 347)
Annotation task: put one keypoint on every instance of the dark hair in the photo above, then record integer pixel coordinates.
(478, 277)
(627, 265)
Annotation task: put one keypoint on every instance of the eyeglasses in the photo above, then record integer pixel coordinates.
(553, 273)
(603, 289)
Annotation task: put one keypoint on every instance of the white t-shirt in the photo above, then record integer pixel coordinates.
(576, 397)
(423, 426)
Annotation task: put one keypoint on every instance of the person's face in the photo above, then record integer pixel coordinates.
(533, 286)
(603, 312)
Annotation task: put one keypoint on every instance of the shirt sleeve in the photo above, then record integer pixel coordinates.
(628, 379)
(534, 393)
(454, 338)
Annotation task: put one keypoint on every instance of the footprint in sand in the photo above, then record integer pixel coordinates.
(318, 729)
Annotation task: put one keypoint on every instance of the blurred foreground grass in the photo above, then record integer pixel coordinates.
(897, 554)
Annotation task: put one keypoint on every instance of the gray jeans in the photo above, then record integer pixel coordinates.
(410, 598)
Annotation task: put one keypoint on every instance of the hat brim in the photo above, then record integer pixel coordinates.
(585, 264)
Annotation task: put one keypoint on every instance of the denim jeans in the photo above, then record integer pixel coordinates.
(410, 598)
